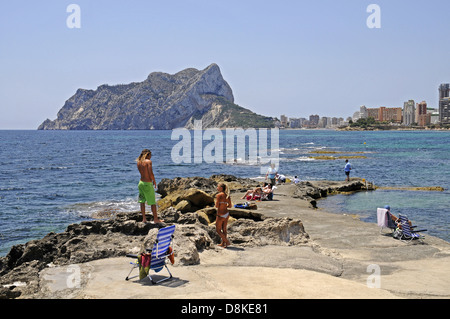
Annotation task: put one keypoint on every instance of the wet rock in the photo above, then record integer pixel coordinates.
(313, 190)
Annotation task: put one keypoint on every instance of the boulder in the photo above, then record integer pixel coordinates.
(208, 185)
(208, 215)
(189, 200)
(235, 184)
(168, 186)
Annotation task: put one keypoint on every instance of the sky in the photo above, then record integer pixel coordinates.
(295, 58)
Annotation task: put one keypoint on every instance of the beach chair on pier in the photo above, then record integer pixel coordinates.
(408, 233)
(155, 259)
(384, 220)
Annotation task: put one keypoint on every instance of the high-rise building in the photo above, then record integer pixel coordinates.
(409, 112)
(444, 103)
(294, 122)
(373, 112)
(284, 120)
(444, 110)
(444, 91)
(314, 120)
(323, 122)
(363, 112)
(421, 114)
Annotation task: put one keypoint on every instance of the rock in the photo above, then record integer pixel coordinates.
(198, 198)
(236, 184)
(239, 213)
(313, 190)
(208, 185)
(190, 240)
(208, 215)
(425, 188)
(167, 186)
(162, 101)
(185, 206)
(271, 231)
(189, 218)
(189, 200)
(9, 292)
(170, 215)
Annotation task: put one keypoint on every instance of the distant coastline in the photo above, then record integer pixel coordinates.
(346, 128)
(359, 129)
(393, 128)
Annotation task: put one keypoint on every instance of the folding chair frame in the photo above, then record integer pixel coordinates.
(163, 257)
(136, 265)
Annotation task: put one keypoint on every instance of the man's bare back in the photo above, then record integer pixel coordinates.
(145, 168)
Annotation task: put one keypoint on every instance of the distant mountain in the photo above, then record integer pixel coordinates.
(162, 101)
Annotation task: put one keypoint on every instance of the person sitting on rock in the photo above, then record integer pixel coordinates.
(267, 189)
(267, 192)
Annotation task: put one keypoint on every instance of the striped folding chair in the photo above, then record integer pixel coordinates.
(157, 256)
(408, 233)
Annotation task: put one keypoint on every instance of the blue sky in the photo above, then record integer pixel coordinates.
(280, 57)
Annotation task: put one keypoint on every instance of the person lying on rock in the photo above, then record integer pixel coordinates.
(253, 192)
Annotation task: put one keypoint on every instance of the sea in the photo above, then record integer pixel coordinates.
(50, 179)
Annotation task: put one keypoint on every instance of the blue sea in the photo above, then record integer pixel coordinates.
(50, 179)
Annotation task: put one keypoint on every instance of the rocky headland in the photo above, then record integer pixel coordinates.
(162, 102)
(288, 233)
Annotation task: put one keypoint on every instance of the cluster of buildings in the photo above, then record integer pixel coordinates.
(412, 113)
(314, 121)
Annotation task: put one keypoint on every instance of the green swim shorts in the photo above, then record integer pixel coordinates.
(146, 193)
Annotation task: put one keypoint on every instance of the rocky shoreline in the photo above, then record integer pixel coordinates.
(188, 203)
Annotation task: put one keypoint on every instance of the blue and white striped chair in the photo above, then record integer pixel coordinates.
(408, 233)
(159, 253)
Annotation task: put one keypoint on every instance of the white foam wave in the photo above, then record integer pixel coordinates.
(297, 159)
(88, 210)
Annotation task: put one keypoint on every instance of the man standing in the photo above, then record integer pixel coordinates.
(347, 169)
(146, 184)
(272, 174)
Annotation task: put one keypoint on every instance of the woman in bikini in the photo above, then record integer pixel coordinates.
(223, 202)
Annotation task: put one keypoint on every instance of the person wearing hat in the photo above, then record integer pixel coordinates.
(394, 218)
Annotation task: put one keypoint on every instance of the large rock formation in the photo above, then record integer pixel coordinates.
(162, 101)
(313, 190)
(125, 233)
(208, 185)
